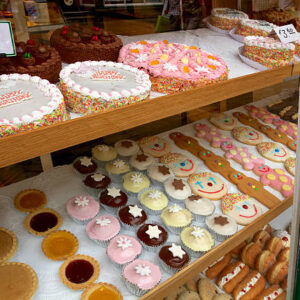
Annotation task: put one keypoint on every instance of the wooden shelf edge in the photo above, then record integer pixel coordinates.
(69, 133)
(198, 265)
(296, 69)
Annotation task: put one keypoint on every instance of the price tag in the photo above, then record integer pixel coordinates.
(287, 33)
(7, 45)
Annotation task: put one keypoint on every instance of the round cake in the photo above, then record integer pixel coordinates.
(254, 27)
(174, 67)
(28, 102)
(226, 18)
(33, 59)
(93, 86)
(80, 43)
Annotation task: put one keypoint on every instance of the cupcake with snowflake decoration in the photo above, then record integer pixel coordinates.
(116, 169)
(84, 165)
(134, 182)
(153, 200)
(104, 153)
(102, 229)
(82, 208)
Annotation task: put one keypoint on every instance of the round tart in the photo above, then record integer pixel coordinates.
(8, 244)
(101, 290)
(30, 200)
(59, 245)
(42, 221)
(18, 281)
(79, 271)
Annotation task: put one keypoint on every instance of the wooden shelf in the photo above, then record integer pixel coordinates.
(201, 263)
(37, 142)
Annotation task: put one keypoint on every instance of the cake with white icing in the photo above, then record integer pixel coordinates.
(28, 102)
(226, 18)
(268, 51)
(94, 86)
(254, 27)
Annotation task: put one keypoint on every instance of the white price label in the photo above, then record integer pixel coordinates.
(287, 33)
(7, 45)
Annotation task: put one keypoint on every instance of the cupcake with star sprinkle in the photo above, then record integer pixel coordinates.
(84, 165)
(112, 199)
(116, 169)
(140, 276)
(102, 229)
(134, 182)
(82, 208)
(153, 200)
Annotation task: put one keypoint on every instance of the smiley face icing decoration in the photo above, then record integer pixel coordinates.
(273, 151)
(181, 165)
(241, 207)
(223, 121)
(207, 185)
(154, 146)
(211, 134)
(247, 135)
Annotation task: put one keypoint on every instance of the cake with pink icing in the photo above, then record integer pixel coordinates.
(174, 67)
(102, 229)
(82, 208)
(123, 249)
(94, 86)
(140, 276)
(268, 51)
(28, 102)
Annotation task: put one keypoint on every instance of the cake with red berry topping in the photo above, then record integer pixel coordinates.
(33, 59)
(79, 43)
(174, 67)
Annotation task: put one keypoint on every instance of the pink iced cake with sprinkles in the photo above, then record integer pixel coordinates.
(174, 67)
(28, 102)
(94, 86)
(268, 51)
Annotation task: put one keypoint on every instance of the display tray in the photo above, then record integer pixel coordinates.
(61, 183)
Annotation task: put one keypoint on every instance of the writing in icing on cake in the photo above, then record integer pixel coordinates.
(107, 75)
(14, 97)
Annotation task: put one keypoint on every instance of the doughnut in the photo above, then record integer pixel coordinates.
(274, 244)
(232, 275)
(284, 283)
(278, 272)
(236, 252)
(249, 254)
(261, 237)
(284, 255)
(264, 261)
(215, 268)
(273, 292)
(251, 286)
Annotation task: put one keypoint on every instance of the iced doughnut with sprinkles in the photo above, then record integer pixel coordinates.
(174, 67)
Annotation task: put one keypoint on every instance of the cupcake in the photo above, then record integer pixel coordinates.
(112, 199)
(140, 276)
(173, 258)
(102, 229)
(199, 207)
(104, 153)
(152, 236)
(84, 165)
(153, 200)
(132, 216)
(134, 182)
(197, 240)
(126, 148)
(159, 173)
(141, 161)
(82, 208)
(123, 249)
(176, 218)
(177, 189)
(221, 226)
(116, 169)
(95, 182)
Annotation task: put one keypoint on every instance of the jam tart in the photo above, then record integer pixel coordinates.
(30, 200)
(8, 244)
(42, 221)
(59, 245)
(101, 290)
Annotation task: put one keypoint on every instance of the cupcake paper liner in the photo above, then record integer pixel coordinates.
(133, 288)
(81, 174)
(151, 248)
(130, 227)
(110, 209)
(150, 211)
(121, 266)
(80, 222)
(176, 230)
(169, 269)
(116, 178)
(102, 243)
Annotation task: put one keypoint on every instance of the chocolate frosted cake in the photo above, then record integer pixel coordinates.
(80, 43)
(33, 59)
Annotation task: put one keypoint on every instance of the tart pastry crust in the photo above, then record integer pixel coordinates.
(97, 288)
(30, 200)
(8, 244)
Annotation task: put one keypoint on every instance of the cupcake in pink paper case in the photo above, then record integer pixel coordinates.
(140, 276)
(82, 208)
(123, 249)
(102, 229)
